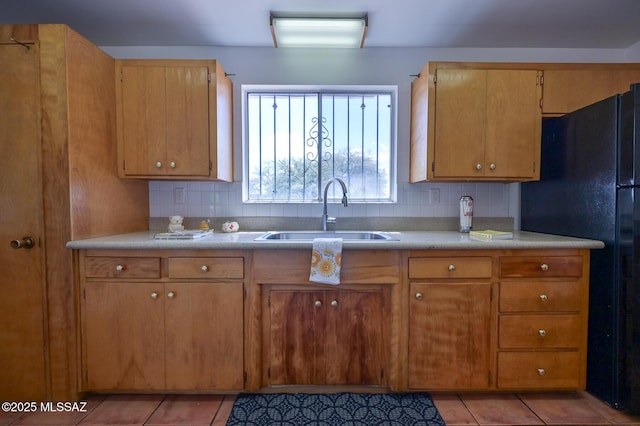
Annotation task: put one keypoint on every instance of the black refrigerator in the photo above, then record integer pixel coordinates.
(590, 187)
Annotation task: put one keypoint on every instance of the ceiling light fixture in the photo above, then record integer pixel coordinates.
(319, 32)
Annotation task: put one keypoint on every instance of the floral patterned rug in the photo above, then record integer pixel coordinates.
(338, 409)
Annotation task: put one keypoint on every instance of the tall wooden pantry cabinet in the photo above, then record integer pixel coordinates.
(58, 181)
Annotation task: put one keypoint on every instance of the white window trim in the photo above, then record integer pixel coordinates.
(393, 89)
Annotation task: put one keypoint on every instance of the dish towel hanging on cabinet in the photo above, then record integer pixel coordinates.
(325, 260)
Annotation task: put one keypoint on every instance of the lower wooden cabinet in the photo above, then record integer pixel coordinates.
(449, 335)
(156, 334)
(542, 321)
(325, 337)
(428, 320)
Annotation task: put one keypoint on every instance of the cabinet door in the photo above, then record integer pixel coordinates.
(143, 124)
(124, 336)
(187, 125)
(332, 338)
(460, 120)
(22, 336)
(354, 350)
(514, 124)
(204, 336)
(488, 124)
(296, 337)
(449, 336)
(165, 120)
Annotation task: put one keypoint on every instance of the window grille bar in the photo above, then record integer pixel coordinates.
(378, 146)
(363, 106)
(275, 152)
(260, 137)
(289, 137)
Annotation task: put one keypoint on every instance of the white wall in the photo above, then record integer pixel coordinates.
(386, 66)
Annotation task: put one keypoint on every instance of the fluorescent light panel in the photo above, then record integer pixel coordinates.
(318, 32)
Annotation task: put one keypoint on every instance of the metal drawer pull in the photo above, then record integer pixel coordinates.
(159, 165)
(334, 303)
(172, 164)
(171, 295)
(419, 296)
(120, 268)
(544, 267)
(541, 371)
(154, 295)
(452, 267)
(318, 303)
(204, 268)
(542, 332)
(544, 297)
(492, 166)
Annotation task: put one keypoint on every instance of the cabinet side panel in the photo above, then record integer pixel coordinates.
(221, 126)
(419, 125)
(94, 184)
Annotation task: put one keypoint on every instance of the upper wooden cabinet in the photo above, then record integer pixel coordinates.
(475, 122)
(174, 119)
(568, 87)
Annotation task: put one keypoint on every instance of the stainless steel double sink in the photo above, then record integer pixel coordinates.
(311, 235)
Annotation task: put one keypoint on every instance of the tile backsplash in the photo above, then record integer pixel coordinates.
(224, 200)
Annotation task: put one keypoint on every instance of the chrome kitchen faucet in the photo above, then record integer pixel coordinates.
(325, 217)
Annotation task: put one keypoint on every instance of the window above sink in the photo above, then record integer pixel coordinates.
(296, 138)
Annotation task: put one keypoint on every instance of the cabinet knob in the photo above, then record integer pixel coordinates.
(478, 166)
(171, 295)
(318, 303)
(452, 267)
(544, 267)
(154, 295)
(159, 165)
(25, 242)
(334, 303)
(204, 268)
(419, 296)
(120, 268)
(542, 333)
(541, 371)
(172, 164)
(544, 297)
(492, 166)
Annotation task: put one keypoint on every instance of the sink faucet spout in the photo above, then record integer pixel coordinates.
(325, 217)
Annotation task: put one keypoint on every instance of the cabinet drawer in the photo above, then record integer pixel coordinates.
(539, 331)
(560, 296)
(206, 267)
(539, 370)
(450, 267)
(541, 266)
(122, 267)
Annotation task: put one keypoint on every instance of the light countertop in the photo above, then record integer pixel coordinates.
(404, 240)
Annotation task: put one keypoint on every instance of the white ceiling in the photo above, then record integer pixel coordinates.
(608, 24)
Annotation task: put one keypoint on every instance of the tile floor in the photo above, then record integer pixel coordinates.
(575, 408)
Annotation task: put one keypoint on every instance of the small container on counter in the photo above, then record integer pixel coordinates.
(466, 213)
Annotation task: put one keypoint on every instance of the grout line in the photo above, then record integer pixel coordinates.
(465, 406)
(164, 397)
(529, 408)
